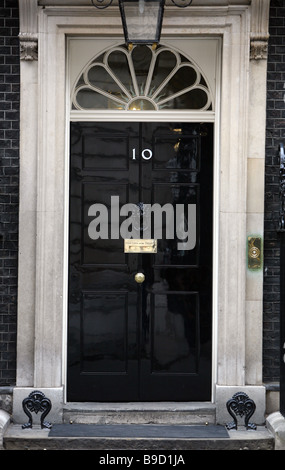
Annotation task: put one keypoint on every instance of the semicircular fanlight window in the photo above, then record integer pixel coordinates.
(141, 79)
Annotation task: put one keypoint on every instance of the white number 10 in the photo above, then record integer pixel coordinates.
(146, 154)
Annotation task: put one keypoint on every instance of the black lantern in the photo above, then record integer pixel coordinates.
(142, 20)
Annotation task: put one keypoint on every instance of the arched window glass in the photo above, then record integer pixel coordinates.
(141, 79)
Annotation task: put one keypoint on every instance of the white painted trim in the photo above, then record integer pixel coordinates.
(216, 209)
(142, 116)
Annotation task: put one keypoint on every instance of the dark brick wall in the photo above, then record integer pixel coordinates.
(275, 134)
(9, 169)
(9, 176)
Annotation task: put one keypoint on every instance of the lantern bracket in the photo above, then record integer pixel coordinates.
(102, 4)
(141, 19)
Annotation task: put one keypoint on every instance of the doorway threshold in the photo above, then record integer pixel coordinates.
(140, 413)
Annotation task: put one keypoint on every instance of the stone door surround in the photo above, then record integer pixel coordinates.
(242, 27)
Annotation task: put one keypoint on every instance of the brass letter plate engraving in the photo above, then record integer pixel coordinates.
(140, 246)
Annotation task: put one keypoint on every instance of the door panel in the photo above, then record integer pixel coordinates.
(102, 337)
(149, 341)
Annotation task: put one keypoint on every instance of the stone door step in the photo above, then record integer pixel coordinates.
(136, 438)
(140, 413)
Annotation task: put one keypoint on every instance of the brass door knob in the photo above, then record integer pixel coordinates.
(139, 278)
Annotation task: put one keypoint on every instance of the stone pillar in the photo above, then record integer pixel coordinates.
(28, 191)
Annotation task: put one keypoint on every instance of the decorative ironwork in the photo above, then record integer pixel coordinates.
(182, 3)
(37, 402)
(281, 230)
(241, 405)
(101, 4)
(281, 226)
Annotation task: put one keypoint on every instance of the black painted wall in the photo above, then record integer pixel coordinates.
(9, 179)
(275, 134)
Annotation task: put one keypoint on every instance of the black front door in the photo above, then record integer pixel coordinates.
(150, 340)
